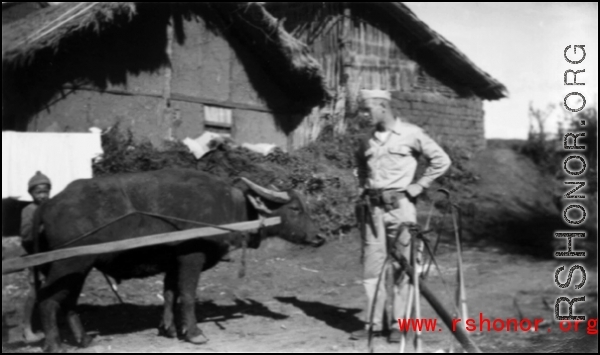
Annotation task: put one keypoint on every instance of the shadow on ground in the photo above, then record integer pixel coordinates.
(336, 317)
(122, 319)
(130, 318)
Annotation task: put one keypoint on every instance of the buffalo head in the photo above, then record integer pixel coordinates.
(296, 225)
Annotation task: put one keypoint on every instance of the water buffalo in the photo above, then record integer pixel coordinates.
(85, 214)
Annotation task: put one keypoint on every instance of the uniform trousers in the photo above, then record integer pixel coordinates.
(375, 246)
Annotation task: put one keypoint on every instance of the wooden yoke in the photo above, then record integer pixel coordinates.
(17, 264)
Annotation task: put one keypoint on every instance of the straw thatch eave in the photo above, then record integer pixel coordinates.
(281, 54)
(444, 55)
(48, 27)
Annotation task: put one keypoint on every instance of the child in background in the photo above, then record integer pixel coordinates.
(39, 188)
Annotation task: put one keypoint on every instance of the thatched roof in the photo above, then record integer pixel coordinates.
(254, 26)
(47, 27)
(416, 39)
(444, 54)
(249, 22)
(12, 11)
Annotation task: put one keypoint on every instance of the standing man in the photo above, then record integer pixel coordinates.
(386, 165)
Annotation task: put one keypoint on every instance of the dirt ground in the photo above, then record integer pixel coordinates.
(308, 300)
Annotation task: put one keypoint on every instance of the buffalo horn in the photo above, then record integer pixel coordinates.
(275, 196)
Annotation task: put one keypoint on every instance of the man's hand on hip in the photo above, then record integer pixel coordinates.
(414, 190)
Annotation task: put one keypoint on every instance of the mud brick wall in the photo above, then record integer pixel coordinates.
(206, 69)
(442, 113)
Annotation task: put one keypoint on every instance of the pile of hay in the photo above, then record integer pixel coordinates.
(322, 174)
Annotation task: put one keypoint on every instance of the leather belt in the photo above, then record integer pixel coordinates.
(389, 199)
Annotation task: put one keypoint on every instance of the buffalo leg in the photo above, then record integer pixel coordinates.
(167, 327)
(189, 269)
(58, 288)
(48, 310)
(81, 337)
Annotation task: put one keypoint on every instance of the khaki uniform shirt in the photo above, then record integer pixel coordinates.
(389, 161)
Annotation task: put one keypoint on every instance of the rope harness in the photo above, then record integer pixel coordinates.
(159, 216)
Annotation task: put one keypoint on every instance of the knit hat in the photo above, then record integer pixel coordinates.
(375, 94)
(38, 179)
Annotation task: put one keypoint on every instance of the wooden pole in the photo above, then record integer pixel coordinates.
(462, 296)
(348, 52)
(113, 287)
(17, 264)
(459, 333)
(407, 314)
(168, 77)
(415, 264)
